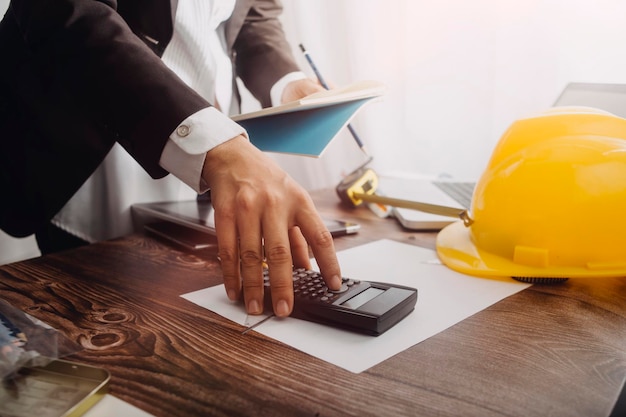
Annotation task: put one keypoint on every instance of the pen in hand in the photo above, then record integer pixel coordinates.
(314, 67)
(322, 82)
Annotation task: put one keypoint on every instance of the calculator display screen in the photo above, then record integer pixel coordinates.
(362, 298)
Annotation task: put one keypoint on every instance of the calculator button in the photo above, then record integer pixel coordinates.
(343, 289)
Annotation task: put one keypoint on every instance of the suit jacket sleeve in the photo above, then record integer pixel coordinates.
(262, 53)
(78, 79)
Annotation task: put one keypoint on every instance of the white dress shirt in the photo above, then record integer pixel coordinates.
(197, 54)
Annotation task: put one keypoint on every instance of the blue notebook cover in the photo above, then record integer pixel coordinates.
(308, 125)
(304, 132)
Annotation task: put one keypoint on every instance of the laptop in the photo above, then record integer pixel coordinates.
(458, 194)
(448, 193)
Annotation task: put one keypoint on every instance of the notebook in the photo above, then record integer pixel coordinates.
(457, 194)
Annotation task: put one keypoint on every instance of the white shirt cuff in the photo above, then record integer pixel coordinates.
(185, 151)
(276, 93)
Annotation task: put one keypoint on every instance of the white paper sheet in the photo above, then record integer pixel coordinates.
(445, 298)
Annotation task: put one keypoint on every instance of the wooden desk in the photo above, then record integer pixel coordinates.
(549, 350)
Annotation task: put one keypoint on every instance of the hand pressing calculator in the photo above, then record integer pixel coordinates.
(361, 306)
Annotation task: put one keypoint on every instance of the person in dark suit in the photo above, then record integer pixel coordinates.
(81, 75)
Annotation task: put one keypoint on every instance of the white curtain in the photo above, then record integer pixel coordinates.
(458, 73)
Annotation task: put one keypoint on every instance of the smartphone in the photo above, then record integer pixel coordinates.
(58, 389)
(341, 227)
(361, 306)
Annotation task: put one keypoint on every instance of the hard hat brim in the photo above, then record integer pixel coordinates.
(456, 250)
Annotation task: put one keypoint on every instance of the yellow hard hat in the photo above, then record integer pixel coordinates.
(551, 203)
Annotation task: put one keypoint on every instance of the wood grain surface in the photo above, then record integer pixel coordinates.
(547, 351)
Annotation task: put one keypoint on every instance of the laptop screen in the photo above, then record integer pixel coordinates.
(608, 97)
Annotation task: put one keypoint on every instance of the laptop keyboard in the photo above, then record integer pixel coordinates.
(459, 191)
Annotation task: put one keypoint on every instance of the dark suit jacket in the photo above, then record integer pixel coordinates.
(79, 75)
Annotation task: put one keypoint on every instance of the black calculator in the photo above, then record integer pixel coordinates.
(360, 306)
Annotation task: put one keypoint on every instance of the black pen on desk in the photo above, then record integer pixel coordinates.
(356, 137)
